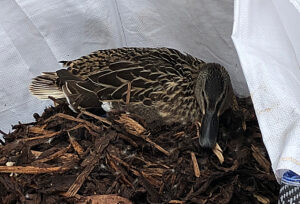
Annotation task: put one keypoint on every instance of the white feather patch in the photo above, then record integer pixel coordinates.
(106, 106)
(44, 86)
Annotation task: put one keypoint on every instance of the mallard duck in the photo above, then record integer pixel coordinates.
(158, 84)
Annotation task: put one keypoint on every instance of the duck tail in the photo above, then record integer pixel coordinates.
(45, 85)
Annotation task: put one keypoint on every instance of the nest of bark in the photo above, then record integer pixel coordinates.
(65, 157)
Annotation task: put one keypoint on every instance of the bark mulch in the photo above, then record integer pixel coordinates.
(65, 157)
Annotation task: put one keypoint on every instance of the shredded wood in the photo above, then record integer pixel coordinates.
(68, 117)
(195, 165)
(104, 120)
(128, 93)
(65, 157)
(159, 148)
(33, 169)
(93, 160)
(77, 147)
(54, 155)
(260, 158)
(219, 153)
(131, 125)
(198, 126)
(261, 199)
(103, 199)
(176, 201)
(39, 130)
(45, 136)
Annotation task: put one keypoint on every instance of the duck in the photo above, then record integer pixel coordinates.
(157, 84)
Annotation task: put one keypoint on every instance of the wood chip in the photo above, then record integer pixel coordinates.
(176, 201)
(46, 136)
(67, 157)
(159, 148)
(219, 153)
(77, 147)
(260, 158)
(195, 165)
(39, 130)
(131, 125)
(103, 141)
(79, 180)
(261, 199)
(104, 120)
(135, 172)
(128, 93)
(179, 134)
(244, 125)
(33, 169)
(68, 117)
(136, 129)
(118, 171)
(128, 139)
(53, 156)
(198, 126)
(93, 133)
(103, 199)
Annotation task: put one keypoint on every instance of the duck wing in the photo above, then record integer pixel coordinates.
(159, 77)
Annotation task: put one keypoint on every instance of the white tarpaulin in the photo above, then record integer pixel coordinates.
(35, 34)
(266, 35)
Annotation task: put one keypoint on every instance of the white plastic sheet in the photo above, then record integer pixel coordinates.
(35, 34)
(266, 36)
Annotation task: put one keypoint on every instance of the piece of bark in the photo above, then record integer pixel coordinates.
(93, 160)
(195, 165)
(77, 147)
(33, 169)
(68, 117)
(101, 119)
(131, 125)
(156, 146)
(39, 130)
(45, 136)
(261, 199)
(103, 199)
(128, 93)
(54, 155)
(219, 153)
(264, 163)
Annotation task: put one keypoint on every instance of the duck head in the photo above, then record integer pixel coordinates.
(214, 95)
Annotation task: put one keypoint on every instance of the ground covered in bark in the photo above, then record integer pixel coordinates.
(83, 158)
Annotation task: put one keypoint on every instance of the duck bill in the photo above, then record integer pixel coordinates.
(209, 130)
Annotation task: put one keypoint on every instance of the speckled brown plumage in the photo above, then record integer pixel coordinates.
(164, 83)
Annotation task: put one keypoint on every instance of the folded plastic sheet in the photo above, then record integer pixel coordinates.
(36, 34)
(266, 36)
